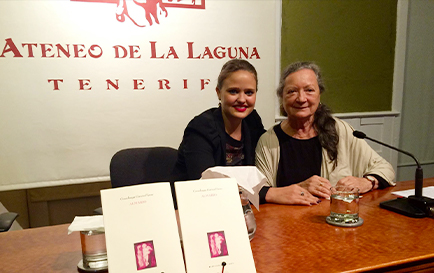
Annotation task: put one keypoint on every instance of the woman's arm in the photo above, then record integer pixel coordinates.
(267, 156)
(363, 160)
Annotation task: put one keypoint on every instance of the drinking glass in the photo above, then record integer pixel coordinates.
(249, 217)
(344, 207)
(94, 251)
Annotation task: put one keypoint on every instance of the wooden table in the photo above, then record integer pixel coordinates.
(288, 239)
(298, 239)
(45, 249)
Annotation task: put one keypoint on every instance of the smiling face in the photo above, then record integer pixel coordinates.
(237, 95)
(301, 94)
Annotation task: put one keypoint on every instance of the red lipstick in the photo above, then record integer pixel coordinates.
(240, 108)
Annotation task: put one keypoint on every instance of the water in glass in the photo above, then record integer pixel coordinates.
(249, 217)
(93, 249)
(344, 207)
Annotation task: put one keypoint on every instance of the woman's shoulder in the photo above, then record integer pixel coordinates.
(269, 136)
(254, 115)
(254, 122)
(205, 118)
(343, 126)
(205, 124)
(345, 132)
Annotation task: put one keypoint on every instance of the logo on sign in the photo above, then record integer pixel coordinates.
(147, 12)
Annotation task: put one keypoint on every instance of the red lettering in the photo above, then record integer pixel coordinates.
(10, 47)
(172, 52)
(55, 82)
(133, 51)
(190, 51)
(50, 51)
(138, 84)
(208, 53)
(204, 82)
(166, 84)
(230, 55)
(117, 55)
(46, 48)
(78, 50)
(94, 48)
(65, 51)
(154, 51)
(219, 54)
(245, 53)
(116, 86)
(30, 49)
(255, 53)
(85, 83)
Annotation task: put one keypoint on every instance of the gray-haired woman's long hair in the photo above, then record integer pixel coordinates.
(324, 123)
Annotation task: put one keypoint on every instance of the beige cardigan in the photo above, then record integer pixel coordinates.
(355, 157)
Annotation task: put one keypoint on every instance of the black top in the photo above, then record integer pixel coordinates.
(204, 144)
(234, 151)
(299, 158)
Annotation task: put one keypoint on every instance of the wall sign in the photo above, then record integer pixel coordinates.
(82, 79)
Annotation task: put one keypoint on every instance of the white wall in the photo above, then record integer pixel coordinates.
(66, 135)
(417, 127)
(54, 137)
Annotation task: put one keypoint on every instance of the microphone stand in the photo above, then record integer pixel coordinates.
(416, 206)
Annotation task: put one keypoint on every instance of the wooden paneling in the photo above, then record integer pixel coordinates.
(16, 201)
(53, 205)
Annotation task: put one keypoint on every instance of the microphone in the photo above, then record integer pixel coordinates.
(416, 206)
(419, 172)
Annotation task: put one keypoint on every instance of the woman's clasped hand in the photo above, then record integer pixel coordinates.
(307, 192)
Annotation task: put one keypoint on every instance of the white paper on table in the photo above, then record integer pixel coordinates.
(248, 177)
(427, 192)
(87, 223)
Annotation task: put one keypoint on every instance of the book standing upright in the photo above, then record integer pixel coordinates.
(141, 229)
(214, 231)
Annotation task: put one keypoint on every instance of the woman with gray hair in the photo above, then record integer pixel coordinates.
(311, 151)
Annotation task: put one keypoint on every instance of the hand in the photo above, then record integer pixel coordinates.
(363, 184)
(291, 195)
(317, 186)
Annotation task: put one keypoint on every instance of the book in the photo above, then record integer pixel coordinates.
(141, 229)
(214, 232)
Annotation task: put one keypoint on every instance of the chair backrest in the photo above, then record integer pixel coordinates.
(6, 220)
(142, 165)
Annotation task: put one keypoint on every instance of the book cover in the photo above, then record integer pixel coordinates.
(141, 229)
(214, 232)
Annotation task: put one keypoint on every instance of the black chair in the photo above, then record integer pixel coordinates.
(6, 220)
(142, 165)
